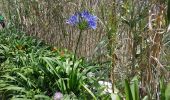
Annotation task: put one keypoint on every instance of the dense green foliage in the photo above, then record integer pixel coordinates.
(32, 70)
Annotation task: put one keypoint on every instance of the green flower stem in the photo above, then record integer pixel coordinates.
(78, 41)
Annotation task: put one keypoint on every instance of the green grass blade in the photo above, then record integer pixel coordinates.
(90, 92)
(128, 92)
(135, 89)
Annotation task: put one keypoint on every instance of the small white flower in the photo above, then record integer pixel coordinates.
(58, 96)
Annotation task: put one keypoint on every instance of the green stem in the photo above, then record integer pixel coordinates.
(78, 41)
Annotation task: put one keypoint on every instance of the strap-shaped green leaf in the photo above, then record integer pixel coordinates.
(1, 18)
(128, 91)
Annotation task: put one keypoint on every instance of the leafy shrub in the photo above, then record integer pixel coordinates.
(33, 70)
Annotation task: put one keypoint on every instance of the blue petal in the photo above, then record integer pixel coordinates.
(85, 14)
(92, 24)
(73, 20)
(93, 18)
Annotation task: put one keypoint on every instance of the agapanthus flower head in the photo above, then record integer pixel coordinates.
(83, 20)
(58, 96)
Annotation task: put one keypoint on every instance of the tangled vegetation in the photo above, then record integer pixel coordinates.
(78, 50)
(30, 69)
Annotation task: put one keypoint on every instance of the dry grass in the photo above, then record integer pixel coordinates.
(136, 41)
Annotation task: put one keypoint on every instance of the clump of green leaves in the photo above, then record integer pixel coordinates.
(30, 69)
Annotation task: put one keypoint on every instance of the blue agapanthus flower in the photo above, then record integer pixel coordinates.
(83, 20)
